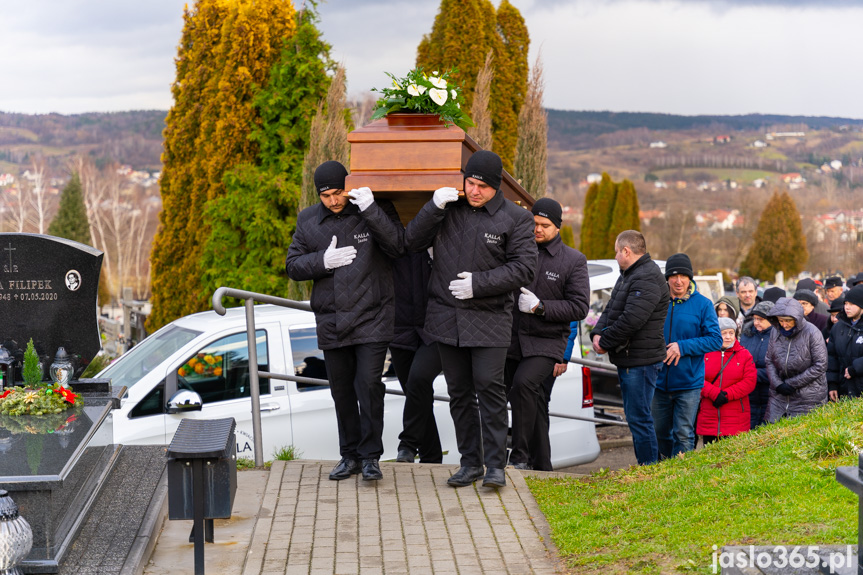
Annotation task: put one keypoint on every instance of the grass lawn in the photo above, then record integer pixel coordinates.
(774, 485)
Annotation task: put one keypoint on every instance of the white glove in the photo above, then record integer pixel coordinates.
(362, 198)
(337, 257)
(443, 196)
(463, 288)
(430, 250)
(527, 301)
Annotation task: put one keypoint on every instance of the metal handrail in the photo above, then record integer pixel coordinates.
(593, 363)
(254, 374)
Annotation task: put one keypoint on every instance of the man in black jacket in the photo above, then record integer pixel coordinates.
(483, 251)
(845, 349)
(352, 298)
(631, 331)
(558, 295)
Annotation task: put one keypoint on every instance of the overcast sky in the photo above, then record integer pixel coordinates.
(675, 56)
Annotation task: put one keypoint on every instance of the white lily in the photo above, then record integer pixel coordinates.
(439, 96)
(454, 94)
(438, 82)
(415, 90)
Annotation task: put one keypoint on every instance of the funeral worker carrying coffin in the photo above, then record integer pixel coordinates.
(345, 244)
(483, 251)
(558, 295)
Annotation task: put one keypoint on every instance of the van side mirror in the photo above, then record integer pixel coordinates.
(185, 400)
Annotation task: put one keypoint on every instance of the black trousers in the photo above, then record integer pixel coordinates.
(474, 377)
(358, 392)
(540, 445)
(525, 377)
(417, 371)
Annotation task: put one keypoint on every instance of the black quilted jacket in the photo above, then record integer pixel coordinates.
(632, 323)
(411, 274)
(563, 285)
(352, 304)
(844, 350)
(495, 243)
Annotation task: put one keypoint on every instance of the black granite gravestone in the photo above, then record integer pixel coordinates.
(48, 289)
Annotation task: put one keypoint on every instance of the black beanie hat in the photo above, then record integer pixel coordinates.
(854, 280)
(486, 167)
(548, 208)
(833, 282)
(330, 176)
(855, 295)
(773, 294)
(837, 304)
(806, 283)
(762, 309)
(678, 264)
(806, 295)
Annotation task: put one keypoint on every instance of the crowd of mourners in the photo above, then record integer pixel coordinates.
(731, 366)
(486, 292)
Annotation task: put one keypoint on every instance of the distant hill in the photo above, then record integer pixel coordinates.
(578, 130)
(133, 138)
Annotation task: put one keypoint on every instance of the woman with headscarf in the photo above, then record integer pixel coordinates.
(796, 363)
(729, 378)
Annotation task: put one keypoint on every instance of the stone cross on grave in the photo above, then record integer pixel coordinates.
(10, 268)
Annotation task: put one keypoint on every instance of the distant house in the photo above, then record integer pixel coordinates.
(794, 180)
(836, 165)
(7, 179)
(660, 185)
(659, 144)
(680, 184)
(759, 182)
(594, 178)
(759, 144)
(774, 135)
(723, 139)
(647, 215)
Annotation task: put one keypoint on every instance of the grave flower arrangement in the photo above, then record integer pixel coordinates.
(202, 364)
(35, 397)
(420, 93)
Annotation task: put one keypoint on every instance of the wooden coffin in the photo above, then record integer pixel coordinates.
(406, 157)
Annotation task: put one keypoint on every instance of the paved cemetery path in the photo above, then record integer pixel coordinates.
(410, 522)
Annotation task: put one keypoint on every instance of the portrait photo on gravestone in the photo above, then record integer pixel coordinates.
(48, 289)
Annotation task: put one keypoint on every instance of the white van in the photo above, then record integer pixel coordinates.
(208, 354)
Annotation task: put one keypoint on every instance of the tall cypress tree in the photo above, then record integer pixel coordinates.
(227, 51)
(463, 33)
(624, 216)
(778, 243)
(71, 221)
(609, 208)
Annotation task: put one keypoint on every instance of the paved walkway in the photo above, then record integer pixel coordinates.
(410, 522)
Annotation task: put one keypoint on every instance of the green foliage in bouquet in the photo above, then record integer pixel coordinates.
(32, 373)
(43, 401)
(419, 93)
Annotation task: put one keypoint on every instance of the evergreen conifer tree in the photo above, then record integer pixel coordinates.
(226, 53)
(71, 221)
(531, 152)
(609, 209)
(624, 216)
(778, 243)
(566, 235)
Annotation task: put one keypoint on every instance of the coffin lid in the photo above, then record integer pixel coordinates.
(406, 157)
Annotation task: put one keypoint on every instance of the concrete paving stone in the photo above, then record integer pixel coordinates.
(346, 569)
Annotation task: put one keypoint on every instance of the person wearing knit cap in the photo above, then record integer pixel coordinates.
(726, 306)
(816, 288)
(345, 245)
(630, 332)
(558, 295)
(755, 337)
(809, 300)
(691, 331)
(832, 288)
(773, 294)
(729, 379)
(835, 307)
(484, 250)
(845, 349)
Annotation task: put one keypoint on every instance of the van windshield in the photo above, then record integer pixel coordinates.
(130, 367)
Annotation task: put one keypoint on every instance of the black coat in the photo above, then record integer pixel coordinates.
(632, 323)
(844, 350)
(495, 243)
(411, 274)
(756, 342)
(353, 304)
(562, 283)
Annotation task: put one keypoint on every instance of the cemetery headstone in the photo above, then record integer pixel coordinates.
(48, 289)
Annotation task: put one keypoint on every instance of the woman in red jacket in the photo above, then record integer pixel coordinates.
(729, 378)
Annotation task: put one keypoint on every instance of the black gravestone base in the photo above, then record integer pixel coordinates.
(53, 467)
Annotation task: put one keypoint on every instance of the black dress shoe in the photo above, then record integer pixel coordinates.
(494, 478)
(344, 469)
(465, 476)
(371, 470)
(522, 466)
(405, 456)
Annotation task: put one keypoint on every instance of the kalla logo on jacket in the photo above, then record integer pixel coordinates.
(551, 276)
(363, 237)
(492, 239)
